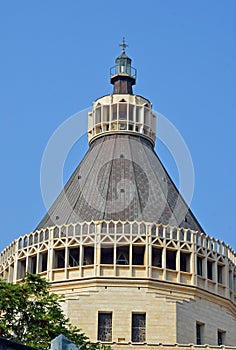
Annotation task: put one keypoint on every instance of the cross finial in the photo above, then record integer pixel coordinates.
(123, 45)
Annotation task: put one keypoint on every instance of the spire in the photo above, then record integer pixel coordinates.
(123, 76)
(123, 45)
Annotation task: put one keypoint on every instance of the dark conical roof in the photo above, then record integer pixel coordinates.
(120, 178)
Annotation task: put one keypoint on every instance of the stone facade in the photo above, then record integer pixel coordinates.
(120, 243)
(124, 275)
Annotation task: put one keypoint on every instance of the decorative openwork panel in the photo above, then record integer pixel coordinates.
(129, 248)
(138, 328)
(105, 326)
(124, 113)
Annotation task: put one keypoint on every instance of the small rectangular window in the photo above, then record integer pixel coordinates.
(220, 273)
(32, 264)
(131, 112)
(114, 111)
(199, 266)
(106, 111)
(43, 262)
(138, 255)
(209, 270)
(199, 333)
(11, 272)
(105, 326)
(74, 257)
(122, 111)
(107, 255)
(139, 114)
(88, 255)
(21, 268)
(138, 327)
(59, 262)
(156, 257)
(184, 262)
(230, 279)
(146, 116)
(130, 127)
(171, 259)
(220, 337)
(98, 115)
(122, 255)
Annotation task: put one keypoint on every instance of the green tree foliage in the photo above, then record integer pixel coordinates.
(29, 314)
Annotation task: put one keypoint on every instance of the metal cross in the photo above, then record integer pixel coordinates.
(123, 45)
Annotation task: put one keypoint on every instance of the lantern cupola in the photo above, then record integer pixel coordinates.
(122, 112)
(123, 75)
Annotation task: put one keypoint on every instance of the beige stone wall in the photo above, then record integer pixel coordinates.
(160, 313)
(171, 313)
(213, 315)
(173, 300)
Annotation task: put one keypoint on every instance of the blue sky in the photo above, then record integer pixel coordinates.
(55, 60)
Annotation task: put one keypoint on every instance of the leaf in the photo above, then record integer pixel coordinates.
(31, 315)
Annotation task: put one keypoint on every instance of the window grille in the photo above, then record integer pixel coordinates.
(105, 326)
(138, 328)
